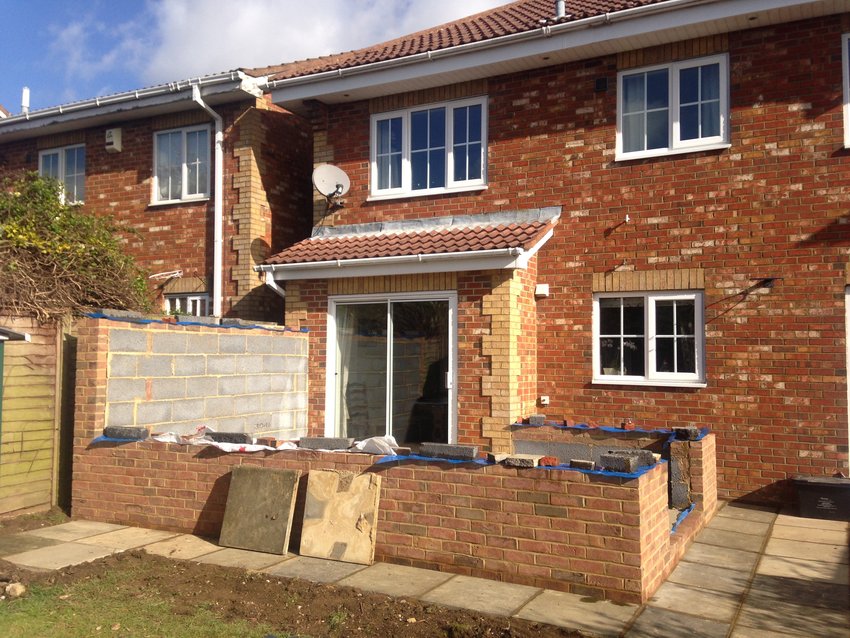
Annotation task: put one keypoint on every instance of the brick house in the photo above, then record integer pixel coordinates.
(199, 217)
(601, 211)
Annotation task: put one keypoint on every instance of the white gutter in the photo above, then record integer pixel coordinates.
(545, 32)
(218, 202)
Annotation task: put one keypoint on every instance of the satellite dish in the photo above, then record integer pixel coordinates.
(331, 181)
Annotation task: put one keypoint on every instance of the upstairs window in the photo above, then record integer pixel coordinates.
(181, 165)
(68, 166)
(429, 149)
(652, 338)
(673, 108)
(845, 59)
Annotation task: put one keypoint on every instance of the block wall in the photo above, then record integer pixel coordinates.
(174, 378)
(589, 534)
(774, 204)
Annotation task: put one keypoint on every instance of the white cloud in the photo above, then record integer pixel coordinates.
(193, 38)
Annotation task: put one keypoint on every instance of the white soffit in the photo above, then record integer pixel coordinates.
(625, 31)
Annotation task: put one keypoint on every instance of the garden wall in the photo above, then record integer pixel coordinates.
(589, 533)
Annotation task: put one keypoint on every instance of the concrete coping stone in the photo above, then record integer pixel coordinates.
(230, 437)
(126, 432)
(449, 451)
(325, 443)
(619, 462)
(523, 460)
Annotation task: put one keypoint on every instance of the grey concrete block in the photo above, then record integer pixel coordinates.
(523, 460)
(449, 451)
(153, 412)
(259, 423)
(190, 366)
(687, 433)
(156, 366)
(256, 344)
(281, 382)
(249, 364)
(282, 363)
(169, 342)
(287, 344)
(537, 419)
(169, 388)
(247, 404)
(231, 385)
(122, 365)
(216, 407)
(230, 424)
(118, 432)
(258, 383)
(644, 457)
(581, 464)
(325, 443)
(221, 364)
(619, 463)
(123, 340)
(561, 451)
(187, 410)
(680, 495)
(125, 390)
(231, 344)
(202, 344)
(230, 437)
(201, 387)
(120, 414)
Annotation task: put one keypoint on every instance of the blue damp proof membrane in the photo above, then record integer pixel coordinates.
(682, 516)
(109, 439)
(417, 457)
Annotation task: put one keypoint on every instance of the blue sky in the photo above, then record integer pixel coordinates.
(71, 50)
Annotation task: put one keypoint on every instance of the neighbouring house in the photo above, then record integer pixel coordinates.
(208, 177)
(605, 211)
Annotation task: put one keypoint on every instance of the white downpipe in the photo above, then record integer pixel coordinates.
(218, 202)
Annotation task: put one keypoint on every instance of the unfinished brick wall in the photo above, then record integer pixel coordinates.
(591, 534)
(772, 205)
(174, 378)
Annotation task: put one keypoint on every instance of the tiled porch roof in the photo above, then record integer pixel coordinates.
(428, 242)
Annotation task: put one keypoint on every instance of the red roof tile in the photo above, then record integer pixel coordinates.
(429, 242)
(508, 19)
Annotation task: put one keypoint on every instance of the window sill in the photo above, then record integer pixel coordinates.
(627, 157)
(427, 193)
(658, 383)
(176, 202)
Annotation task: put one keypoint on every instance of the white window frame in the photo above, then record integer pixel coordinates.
(652, 377)
(181, 303)
(845, 68)
(330, 360)
(184, 182)
(406, 188)
(677, 145)
(60, 152)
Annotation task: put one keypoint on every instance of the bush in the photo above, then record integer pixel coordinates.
(55, 259)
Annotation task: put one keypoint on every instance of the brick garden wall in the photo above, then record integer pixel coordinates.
(772, 205)
(173, 378)
(591, 534)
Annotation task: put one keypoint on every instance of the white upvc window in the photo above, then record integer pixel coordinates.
(195, 304)
(424, 150)
(181, 169)
(68, 166)
(845, 60)
(649, 338)
(673, 108)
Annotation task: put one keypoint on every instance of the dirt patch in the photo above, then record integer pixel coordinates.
(54, 516)
(294, 607)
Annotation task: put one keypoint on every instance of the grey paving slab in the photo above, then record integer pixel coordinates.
(59, 556)
(818, 523)
(739, 525)
(75, 530)
(663, 623)
(801, 569)
(17, 543)
(481, 595)
(812, 551)
(185, 547)
(810, 534)
(721, 557)
(733, 540)
(767, 591)
(230, 557)
(396, 580)
(712, 605)
(595, 617)
(748, 513)
(128, 538)
(317, 570)
(798, 620)
(709, 577)
(750, 632)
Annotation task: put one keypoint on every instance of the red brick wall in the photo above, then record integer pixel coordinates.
(769, 206)
(590, 534)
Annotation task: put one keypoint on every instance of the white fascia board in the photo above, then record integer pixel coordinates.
(498, 259)
(121, 106)
(622, 30)
(13, 335)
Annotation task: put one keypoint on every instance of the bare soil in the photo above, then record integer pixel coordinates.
(295, 607)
